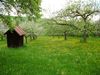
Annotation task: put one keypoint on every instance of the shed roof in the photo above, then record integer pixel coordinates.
(18, 30)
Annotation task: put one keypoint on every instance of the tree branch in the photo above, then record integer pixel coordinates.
(91, 13)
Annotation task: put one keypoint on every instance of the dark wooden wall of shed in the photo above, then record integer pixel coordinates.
(14, 40)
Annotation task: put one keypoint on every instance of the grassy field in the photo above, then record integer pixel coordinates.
(51, 56)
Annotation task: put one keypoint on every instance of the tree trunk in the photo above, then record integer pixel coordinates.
(26, 39)
(85, 34)
(65, 35)
(31, 38)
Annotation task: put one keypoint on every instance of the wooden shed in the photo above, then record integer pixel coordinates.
(15, 38)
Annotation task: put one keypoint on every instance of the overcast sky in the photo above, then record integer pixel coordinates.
(51, 6)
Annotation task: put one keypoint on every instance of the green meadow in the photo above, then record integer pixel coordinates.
(51, 56)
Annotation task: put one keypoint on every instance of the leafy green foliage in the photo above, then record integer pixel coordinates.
(97, 28)
(8, 20)
(30, 8)
(32, 27)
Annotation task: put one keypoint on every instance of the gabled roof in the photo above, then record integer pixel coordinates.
(19, 30)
